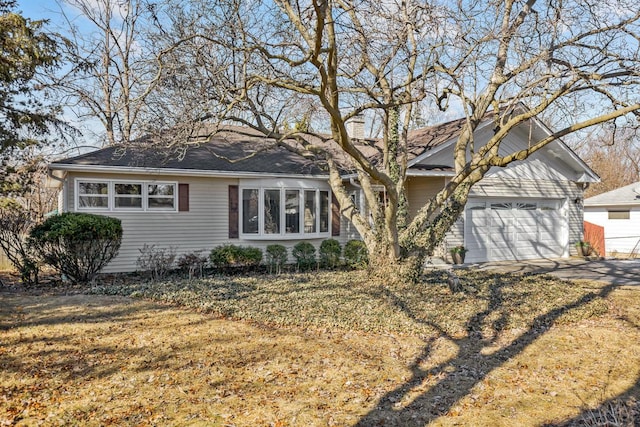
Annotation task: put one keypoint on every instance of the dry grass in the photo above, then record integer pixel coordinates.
(348, 300)
(324, 350)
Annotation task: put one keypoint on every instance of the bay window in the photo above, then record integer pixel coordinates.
(271, 211)
(281, 212)
(292, 211)
(310, 215)
(250, 206)
(324, 212)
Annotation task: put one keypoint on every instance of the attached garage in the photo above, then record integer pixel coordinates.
(514, 229)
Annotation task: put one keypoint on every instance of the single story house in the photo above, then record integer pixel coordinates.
(235, 189)
(618, 211)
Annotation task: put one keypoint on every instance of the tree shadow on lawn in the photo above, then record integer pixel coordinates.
(456, 377)
(622, 411)
(75, 356)
(20, 310)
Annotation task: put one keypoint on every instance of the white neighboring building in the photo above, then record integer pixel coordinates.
(618, 211)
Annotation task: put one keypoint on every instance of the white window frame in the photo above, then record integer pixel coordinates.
(283, 234)
(146, 196)
(111, 195)
(92, 208)
(116, 196)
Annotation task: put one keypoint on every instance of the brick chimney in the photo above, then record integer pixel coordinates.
(355, 127)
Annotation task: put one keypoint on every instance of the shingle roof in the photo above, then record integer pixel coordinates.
(627, 195)
(226, 152)
(249, 152)
(424, 139)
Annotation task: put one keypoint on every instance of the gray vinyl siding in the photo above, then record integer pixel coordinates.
(203, 227)
(420, 190)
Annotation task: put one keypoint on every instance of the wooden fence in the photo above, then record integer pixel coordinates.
(594, 234)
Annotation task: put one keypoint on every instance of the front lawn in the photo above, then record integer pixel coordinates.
(321, 349)
(489, 303)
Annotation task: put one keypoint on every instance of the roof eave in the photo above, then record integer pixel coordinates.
(177, 172)
(612, 205)
(430, 173)
(581, 163)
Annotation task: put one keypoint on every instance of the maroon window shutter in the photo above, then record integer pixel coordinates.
(183, 197)
(233, 212)
(335, 216)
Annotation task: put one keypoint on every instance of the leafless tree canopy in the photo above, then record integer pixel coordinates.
(111, 64)
(299, 70)
(615, 156)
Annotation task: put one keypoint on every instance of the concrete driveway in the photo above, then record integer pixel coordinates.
(624, 272)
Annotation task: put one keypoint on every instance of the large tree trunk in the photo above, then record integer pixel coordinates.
(385, 268)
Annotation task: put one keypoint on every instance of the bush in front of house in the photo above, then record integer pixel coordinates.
(305, 255)
(356, 254)
(330, 251)
(77, 245)
(156, 262)
(276, 257)
(193, 263)
(232, 256)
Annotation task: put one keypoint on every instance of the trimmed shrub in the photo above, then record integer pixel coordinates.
(77, 245)
(227, 256)
(156, 262)
(355, 254)
(276, 257)
(330, 251)
(305, 255)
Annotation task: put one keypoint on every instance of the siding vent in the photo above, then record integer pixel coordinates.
(619, 215)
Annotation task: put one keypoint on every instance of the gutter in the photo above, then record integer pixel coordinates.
(410, 172)
(62, 188)
(180, 172)
(612, 205)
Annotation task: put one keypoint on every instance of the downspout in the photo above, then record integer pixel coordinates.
(62, 207)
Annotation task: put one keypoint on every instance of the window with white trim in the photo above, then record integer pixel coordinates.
(127, 196)
(284, 212)
(93, 195)
(122, 195)
(161, 196)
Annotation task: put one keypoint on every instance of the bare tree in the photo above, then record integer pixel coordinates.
(255, 63)
(615, 156)
(112, 68)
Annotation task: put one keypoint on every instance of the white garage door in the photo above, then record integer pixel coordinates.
(497, 230)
